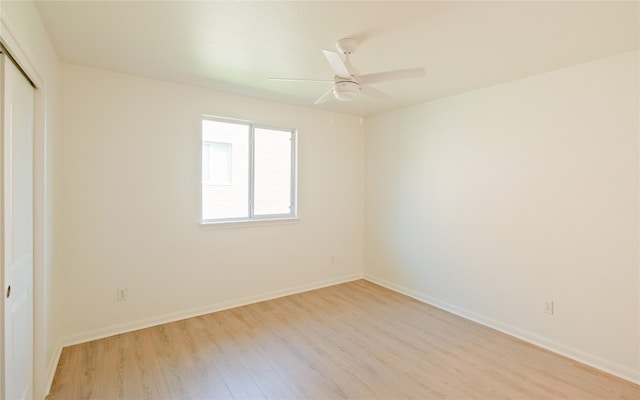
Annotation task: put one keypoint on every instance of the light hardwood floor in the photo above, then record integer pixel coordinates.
(355, 340)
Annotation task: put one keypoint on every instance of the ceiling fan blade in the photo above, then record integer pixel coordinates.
(375, 93)
(302, 80)
(325, 97)
(392, 75)
(337, 64)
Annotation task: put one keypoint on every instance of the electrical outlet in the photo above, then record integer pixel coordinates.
(123, 294)
(548, 307)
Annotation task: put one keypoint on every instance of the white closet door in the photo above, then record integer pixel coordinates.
(17, 231)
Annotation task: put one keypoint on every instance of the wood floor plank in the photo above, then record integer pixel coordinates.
(351, 341)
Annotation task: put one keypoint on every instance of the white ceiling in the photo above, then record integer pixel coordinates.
(236, 46)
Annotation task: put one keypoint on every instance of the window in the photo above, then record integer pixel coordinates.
(248, 171)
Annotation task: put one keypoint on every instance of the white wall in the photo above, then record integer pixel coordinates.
(22, 31)
(491, 202)
(130, 201)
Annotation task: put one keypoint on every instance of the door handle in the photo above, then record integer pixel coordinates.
(8, 291)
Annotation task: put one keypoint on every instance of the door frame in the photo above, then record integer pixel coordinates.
(42, 338)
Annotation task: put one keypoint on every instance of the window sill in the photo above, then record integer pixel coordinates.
(248, 223)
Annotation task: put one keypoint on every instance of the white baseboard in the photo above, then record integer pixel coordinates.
(87, 336)
(51, 368)
(540, 341)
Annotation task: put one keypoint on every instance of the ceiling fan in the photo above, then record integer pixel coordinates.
(348, 84)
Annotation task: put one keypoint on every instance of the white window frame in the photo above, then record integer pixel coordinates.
(252, 217)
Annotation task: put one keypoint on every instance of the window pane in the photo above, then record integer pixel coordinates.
(272, 172)
(220, 173)
(225, 194)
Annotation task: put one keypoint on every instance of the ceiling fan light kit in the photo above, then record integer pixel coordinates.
(346, 91)
(348, 84)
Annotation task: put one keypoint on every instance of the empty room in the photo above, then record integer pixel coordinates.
(320, 199)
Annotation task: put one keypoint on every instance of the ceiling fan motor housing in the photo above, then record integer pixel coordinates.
(346, 90)
(347, 45)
